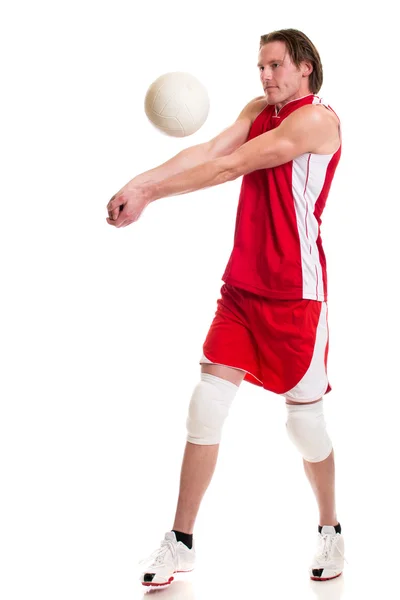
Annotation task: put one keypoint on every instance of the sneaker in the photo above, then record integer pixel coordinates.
(171, 557)
(329, 559)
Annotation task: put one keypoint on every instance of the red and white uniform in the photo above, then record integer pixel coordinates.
(272, 317)
(277, 249)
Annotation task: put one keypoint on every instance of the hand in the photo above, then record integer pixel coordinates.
(128, 204)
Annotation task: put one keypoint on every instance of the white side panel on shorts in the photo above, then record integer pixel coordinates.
(314, 383)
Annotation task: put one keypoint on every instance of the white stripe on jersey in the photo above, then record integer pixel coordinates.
(308, 177)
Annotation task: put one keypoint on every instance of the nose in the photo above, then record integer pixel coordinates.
(266, 75)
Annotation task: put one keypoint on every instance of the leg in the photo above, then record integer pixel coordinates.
(199, 463)
(321, 476)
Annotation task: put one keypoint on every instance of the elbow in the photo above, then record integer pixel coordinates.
(242, 163)
(227, 169)
(232, 174)
(234, 167)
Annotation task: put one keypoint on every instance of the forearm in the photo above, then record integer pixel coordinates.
(186, 159)
(211, 173)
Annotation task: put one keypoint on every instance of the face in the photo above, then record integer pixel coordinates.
(281, 79)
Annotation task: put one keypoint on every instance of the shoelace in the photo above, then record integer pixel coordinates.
(158, 555)
(326, 542)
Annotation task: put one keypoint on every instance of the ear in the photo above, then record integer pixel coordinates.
(306, 68)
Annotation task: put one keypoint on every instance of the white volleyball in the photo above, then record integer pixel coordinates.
(177, 104)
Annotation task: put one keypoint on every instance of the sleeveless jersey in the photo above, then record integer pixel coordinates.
(277, 251)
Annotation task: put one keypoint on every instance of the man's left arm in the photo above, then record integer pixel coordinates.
(305, 130)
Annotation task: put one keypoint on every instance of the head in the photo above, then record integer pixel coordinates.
(290, 66)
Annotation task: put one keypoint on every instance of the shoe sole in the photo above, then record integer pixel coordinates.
(171, 579)
(167, 583)
(324, 578)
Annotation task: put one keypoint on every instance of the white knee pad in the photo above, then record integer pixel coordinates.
(208, 409)
(307, 429)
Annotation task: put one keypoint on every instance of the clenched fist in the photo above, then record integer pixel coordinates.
(128, 204)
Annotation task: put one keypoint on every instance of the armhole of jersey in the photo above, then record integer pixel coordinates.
(318, 100)
(259, 113)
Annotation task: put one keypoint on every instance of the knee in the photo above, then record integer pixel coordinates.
(209, 407)
(306, 428)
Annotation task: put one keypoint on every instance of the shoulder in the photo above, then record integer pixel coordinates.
(312, 116)
(315, 125)
(253, 108)
(318, 114)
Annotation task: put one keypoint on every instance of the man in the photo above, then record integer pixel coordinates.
(270, 326)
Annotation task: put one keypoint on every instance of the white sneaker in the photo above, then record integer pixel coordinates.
(329, 559)
(172, 557)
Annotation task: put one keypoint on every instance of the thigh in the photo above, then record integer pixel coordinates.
(290, 402)
(235, 376)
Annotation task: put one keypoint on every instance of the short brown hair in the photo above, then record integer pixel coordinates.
(300, 48)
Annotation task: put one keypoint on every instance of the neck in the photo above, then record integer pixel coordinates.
(297, 96)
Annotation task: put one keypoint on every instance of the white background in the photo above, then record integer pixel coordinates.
(102, 328)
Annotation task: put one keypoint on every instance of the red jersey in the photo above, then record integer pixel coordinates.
(277, 250)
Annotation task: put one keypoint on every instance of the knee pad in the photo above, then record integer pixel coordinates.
(208, 409)
(307, 429)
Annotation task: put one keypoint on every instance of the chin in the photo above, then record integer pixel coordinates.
(272, 98)
(271, 101)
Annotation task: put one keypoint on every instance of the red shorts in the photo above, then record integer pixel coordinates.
(281, 344)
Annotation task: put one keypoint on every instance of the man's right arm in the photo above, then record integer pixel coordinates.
(223, 144)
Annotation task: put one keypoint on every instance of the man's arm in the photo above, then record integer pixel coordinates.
(127, 205)
(308, 129)
(223, 144)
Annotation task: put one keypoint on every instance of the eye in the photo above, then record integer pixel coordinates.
(275, 65)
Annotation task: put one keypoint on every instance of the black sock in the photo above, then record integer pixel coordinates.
(186, 538)
(338, 528)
